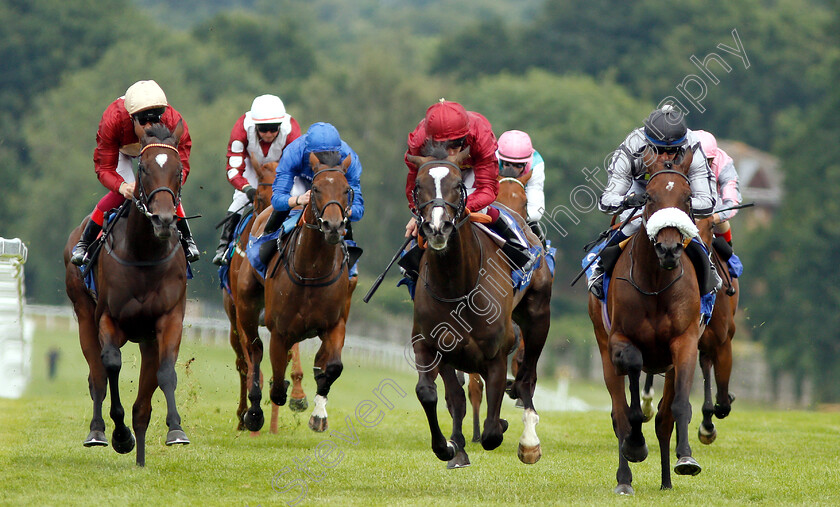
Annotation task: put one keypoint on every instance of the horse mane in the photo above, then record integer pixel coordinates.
(159, 131)
(329, 158)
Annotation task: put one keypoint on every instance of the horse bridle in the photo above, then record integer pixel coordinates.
(319, 213)
(142, 202)
(459, 208)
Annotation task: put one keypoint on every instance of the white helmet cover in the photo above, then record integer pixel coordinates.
(268, 109)
(144, 95)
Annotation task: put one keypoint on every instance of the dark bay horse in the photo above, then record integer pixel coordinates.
(464, 313)
(715, 347)
(652, 322)
(512, 196)
(243, 305)
(141, 281)
(307, 287)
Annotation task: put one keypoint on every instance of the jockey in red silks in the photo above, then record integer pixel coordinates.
(258, 137)
(449, 123)
(117, 144)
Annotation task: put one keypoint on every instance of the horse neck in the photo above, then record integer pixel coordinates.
(313, 255)
(456, 267)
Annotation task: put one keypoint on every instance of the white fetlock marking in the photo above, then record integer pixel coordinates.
(648, 395)
(450, 444)
(705, 432)
(529, 434)
(320, 409)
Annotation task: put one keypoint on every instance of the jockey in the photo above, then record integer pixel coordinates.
(664, 131)
(258, 137)
(518, 157)
(117, 145)
(448, 122)
(728, 188)
(294, 175)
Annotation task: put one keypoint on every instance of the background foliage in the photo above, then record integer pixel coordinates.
(576, 75)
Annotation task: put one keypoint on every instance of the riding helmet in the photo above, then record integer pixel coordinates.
(665, 127)
(446, 120)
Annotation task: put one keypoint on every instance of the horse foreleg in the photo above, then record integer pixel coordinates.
(169, 332)
(723, 371)
(707, 432)
(475, 388)
(298, 402)
(628, 359)
(426, 361)
(121, 438)
(456, 402)
(327, 369)
(494, 426)
(241, 364)
(252, 348)
(684, 352)
(141, 413)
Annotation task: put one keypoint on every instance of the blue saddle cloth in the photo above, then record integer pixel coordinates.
(707, 301)
(224, 271)
(252, 253)
(736, 269)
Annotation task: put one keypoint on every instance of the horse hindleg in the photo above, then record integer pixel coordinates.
(142, 411)
(707, 433)
(97, 379)
(647, 398)
(723, 371)
(664, 427)
(121, 438)
(298, 402)
(327, 369)
(426, 362)
(456, 402)
(476, 386)
(169, 343)
(241, 363)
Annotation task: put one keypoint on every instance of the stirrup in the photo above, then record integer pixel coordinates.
(221, 258)
(190, 249)
(79, 254)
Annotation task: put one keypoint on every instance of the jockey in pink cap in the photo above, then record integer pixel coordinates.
(517, 157)
(728, 190)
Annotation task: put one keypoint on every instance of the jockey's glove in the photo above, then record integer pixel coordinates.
(634, 200)
(250, 191)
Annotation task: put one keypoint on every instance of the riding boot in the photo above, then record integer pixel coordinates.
(538, 230)
(596, 280)
(231, 221)
(187, 241)
(79, 255)
(514, 248)
(275, 221)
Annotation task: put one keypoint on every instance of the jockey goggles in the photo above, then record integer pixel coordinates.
(454, 144)
(268, 127)
(149, 115)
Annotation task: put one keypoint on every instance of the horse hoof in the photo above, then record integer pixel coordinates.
(687, 466)
(123, 444)
(96, 438)
(254, 420)
(722, 411)
(460, 460)
(296, 405)
(529, 455)
(504, 424)
(491, 442)
(624, 489)
(706, 436)
(177, 437)
(634, 454)
(647, 410)
(476, 438)
(318, 424)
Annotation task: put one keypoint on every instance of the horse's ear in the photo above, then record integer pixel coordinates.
(416, 159)
(179, 131)
(460, 156)
(139, 130)
(313, 161)
(346, 162)
(525, 177)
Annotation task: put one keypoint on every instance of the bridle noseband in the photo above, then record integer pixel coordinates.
(142, 202)
(458, 207)
(319, 213)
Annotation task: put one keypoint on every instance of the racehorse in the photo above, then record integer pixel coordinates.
(141, 282)
(652, 321)
(243, 305)
(307, 287)
(715, 347)
(511, 195)
(464, 312)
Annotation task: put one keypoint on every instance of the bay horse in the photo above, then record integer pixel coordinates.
(141, 282)
(511, 195)
(464, 313)
(307, 287)
(243, 305)
(652, 322)
(715, 347)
